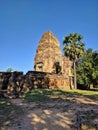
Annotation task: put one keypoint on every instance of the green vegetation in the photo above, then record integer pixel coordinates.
(85, 62)
(46, 95)
(87, 68)
(42, 95)
(74, 49)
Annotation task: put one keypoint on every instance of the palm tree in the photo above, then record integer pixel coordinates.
(74, 49)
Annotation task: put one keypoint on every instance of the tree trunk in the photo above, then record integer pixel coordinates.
(75, 77)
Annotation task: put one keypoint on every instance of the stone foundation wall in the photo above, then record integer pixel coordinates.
(59, 81)
(17, 81)
(10, 79)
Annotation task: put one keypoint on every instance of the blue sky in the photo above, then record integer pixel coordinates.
(23, 22)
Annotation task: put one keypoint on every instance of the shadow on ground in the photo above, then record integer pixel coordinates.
(9, 114)
(50, 110)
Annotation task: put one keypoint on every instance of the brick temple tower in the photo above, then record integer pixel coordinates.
(49, 56)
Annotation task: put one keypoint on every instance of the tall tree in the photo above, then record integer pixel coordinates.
(74, 49)
(95, 66)
(87, 68)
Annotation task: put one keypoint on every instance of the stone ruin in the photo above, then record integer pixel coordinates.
(51, 69)
(49, 59)
(49, 56)
(13, 83)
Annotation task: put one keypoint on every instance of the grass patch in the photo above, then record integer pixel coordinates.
(92, 94)
(45, 95)
(42, 95)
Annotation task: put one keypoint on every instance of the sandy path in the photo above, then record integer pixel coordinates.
(72, 114)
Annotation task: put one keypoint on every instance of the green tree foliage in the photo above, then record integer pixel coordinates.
(87, 68)
(74, 49)
(9, 70)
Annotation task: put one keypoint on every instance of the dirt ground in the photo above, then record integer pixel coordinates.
(77, 113)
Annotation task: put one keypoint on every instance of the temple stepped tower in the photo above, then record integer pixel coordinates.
(49, 56)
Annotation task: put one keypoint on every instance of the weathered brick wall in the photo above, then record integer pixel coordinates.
(48, 52)
(59, 81)
(10, 79)
(4, 79)
(17, 82)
